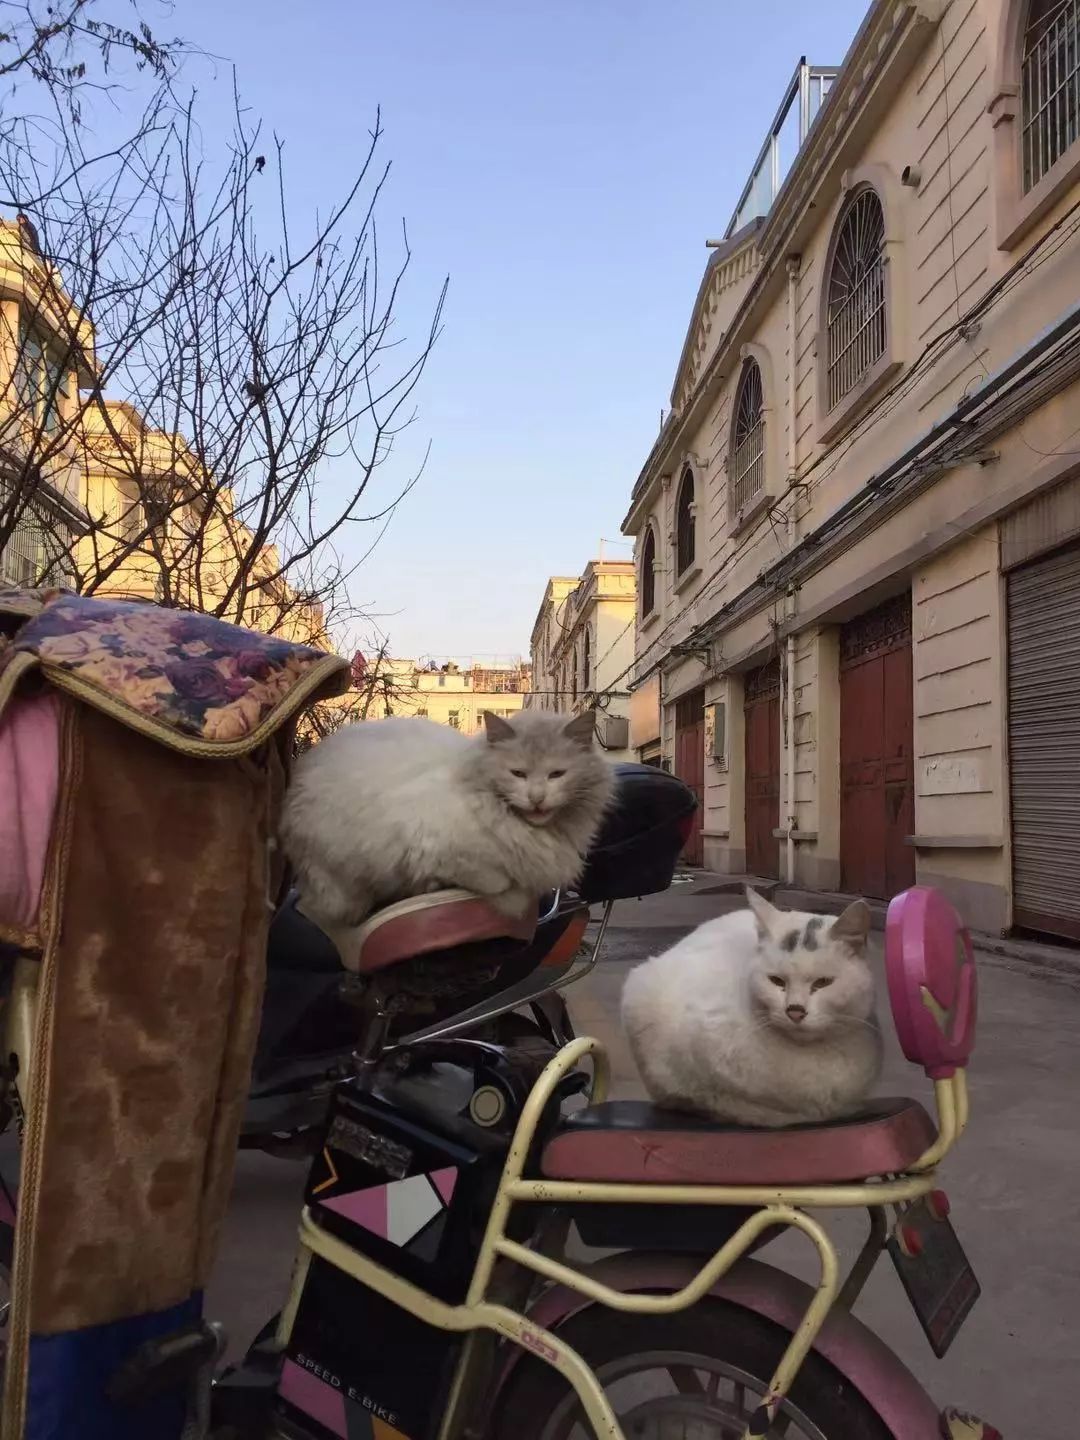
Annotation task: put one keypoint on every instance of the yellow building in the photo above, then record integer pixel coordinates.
(112, 501)
(452, 692)
(583, 648)
(46, 354)
(858, 533)
(161, 531)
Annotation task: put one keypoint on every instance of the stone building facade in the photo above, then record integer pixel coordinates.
(858, 533)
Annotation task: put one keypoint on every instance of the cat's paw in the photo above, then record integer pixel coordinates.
(513, 903)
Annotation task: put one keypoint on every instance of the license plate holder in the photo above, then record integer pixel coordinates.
(939, 1281)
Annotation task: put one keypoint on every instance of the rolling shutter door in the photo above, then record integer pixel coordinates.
(1044, 743)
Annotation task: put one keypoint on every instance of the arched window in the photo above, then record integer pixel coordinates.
(586, 660)
(747, 468)
(1049, 86)
(685, 538)
(648, 573)
(856, 334)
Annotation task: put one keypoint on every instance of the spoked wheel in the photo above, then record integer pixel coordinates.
(700, 1375)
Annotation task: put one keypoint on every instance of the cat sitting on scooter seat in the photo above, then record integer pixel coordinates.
(764, 1017)
(388, 809)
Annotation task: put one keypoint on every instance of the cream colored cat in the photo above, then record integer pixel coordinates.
(387, 809)
(763, 1017)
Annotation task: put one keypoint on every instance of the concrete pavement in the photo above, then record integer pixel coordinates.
(1013, 1182)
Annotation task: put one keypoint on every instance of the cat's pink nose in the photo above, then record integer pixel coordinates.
(797, 1013)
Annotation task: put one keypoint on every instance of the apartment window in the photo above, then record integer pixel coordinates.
(685, 536)
(157, 503)
(648, 573)
(42, 381)
(747, 467)
(422, 713)
(856, 333)
(454, 719)
(586, 659)
(35, 552)
(1049, 86)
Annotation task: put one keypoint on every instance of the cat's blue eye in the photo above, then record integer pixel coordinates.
(518, 774)
(778, 981)
(823, 983)
(556, 774)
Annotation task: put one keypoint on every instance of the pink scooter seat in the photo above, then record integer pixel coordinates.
(426, 924)
(631, 1142)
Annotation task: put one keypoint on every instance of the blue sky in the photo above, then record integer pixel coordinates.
(564, 162)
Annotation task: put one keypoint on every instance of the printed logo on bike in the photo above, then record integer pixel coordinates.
(378, 1151)
(410, 1213)
(336, 1406)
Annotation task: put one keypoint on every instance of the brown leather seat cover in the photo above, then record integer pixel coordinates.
(633, 1142)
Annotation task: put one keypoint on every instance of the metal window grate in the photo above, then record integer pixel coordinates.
(1049, 86)
(856, 317)
(748, 458)
(22, 556)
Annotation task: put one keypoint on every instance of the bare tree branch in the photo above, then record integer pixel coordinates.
(212, 380)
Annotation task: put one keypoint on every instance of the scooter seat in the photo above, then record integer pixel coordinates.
(634, 1143)
(425, 924)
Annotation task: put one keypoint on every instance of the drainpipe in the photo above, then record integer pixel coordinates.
(792, 540)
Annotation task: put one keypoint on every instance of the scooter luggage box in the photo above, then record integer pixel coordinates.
(357, 1366)
(413, 1198)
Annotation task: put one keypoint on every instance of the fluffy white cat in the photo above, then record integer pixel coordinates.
(763, 1017)
(392, 808)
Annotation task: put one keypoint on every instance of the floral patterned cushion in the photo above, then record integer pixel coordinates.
(191, 680)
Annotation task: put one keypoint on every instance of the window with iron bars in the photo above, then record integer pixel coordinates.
(1049, 86)
(33, 554)
(747, 468)
(856, 320)
(685, 527)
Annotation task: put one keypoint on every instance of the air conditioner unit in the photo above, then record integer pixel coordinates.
(613, 731)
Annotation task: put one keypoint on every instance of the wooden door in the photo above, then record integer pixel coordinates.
(690, 765)
(762, 707)
(877, 764)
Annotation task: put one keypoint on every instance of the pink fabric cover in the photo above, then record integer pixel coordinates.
(29, 780)
(930, 966)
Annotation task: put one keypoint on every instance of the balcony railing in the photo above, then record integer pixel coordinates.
(802, 100)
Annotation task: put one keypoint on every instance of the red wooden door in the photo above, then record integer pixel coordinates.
(690, 765)
(762, 707)
(877, 765)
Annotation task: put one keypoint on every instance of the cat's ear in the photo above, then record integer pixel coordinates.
(497, 728)
(764, 913)
(582, 728)
(852, 928)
